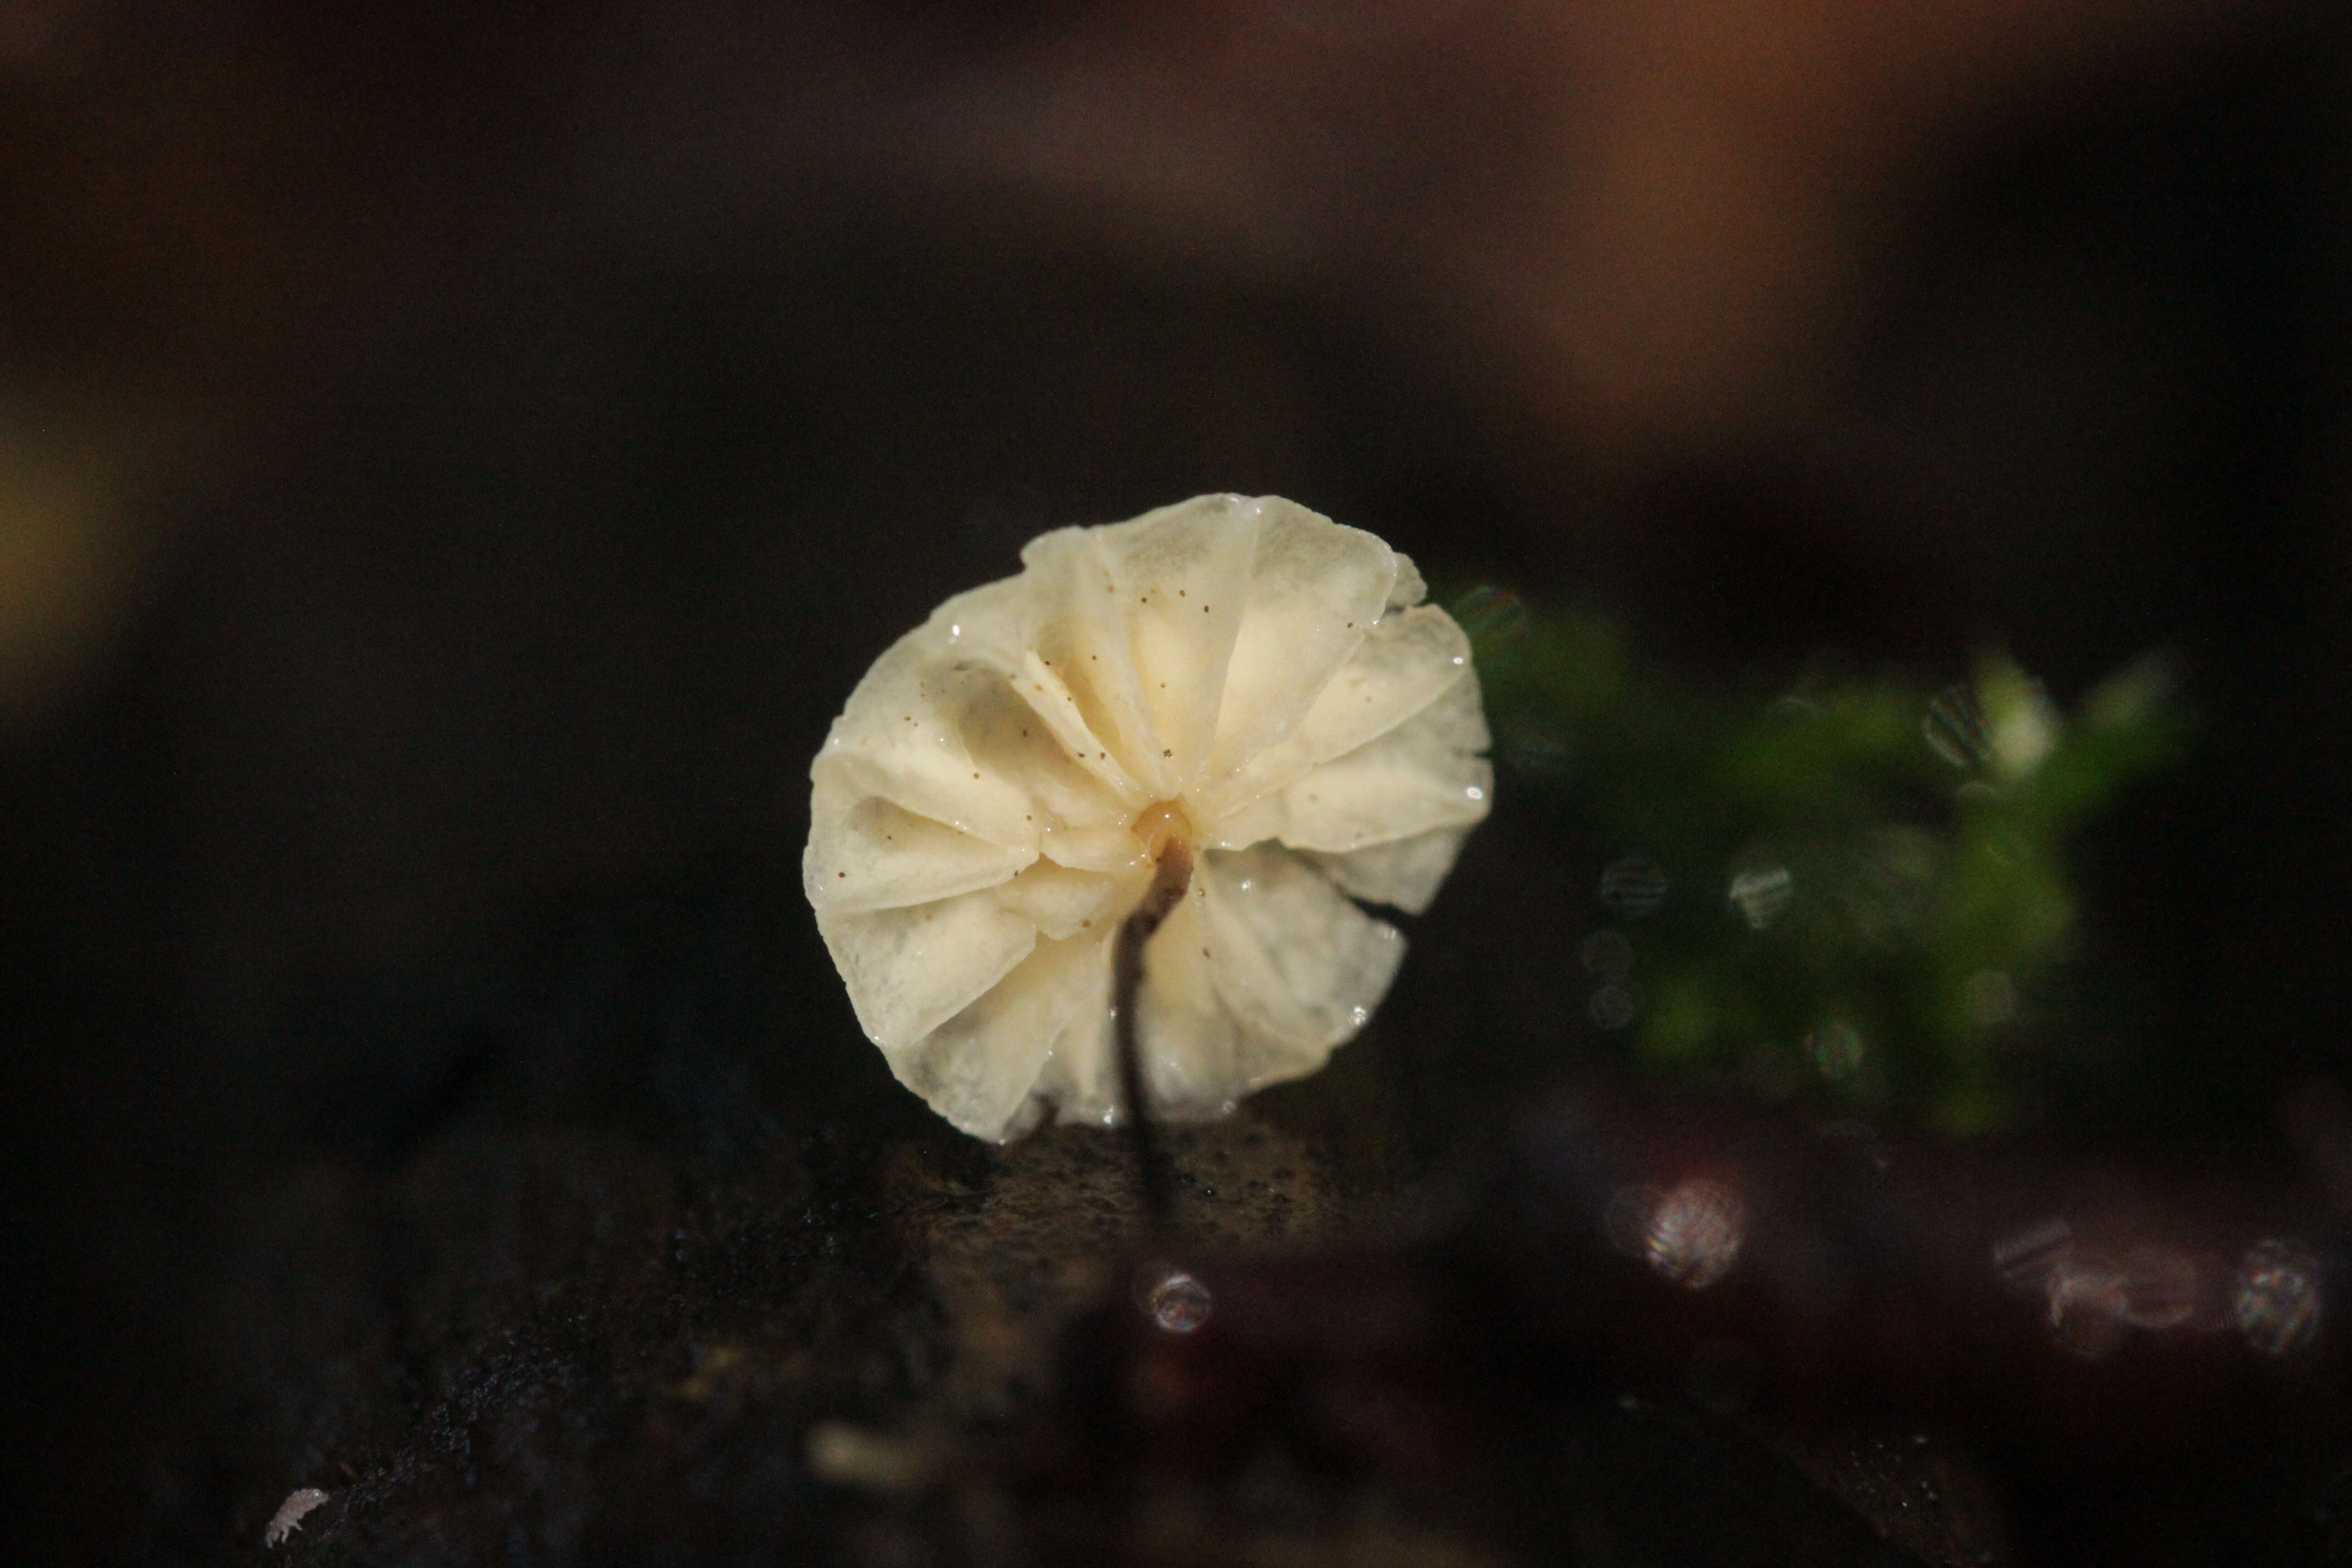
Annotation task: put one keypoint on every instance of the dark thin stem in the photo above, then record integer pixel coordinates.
(1167, 884)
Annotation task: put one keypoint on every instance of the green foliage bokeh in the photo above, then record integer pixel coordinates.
(1859, 887)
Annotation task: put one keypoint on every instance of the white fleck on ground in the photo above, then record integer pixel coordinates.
(289, 1517)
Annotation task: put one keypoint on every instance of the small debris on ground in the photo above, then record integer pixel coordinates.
(289, 1517)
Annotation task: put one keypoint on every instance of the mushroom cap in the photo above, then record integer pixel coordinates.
(1241, 667)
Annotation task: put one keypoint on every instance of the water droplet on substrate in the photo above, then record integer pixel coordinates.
(1491, 615)
(1954, 727)
(1837, 1049)
(2024, 1258)
(2277, 1302)
(1174, 1301)
(1632, 886)
(1696, 1232)
(1761, 894)
(1606, 953)
(1613, 1005)
(2161, 1288)
(1991, 998)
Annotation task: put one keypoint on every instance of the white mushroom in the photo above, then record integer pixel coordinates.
(1237, 689)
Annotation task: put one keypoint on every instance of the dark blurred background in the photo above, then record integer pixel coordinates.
(454, 461)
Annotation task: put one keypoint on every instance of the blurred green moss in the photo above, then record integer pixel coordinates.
(1858, 888)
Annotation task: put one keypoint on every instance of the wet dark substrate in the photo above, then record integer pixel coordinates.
(618, 1289)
